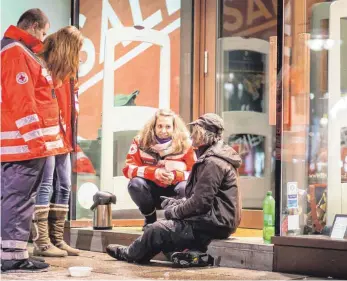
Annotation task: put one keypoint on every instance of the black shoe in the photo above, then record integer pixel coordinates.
(118, 252)
(191, 259)
(27, 265)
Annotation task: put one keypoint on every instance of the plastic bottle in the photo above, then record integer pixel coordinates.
(269, 217)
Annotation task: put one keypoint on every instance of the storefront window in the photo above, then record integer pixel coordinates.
(243, 90)
(314, 121)
(144, 74)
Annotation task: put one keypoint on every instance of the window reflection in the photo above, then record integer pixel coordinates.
(244, 81)
(251, 149)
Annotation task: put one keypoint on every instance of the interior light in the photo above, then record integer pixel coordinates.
(328, 44)
(316, 44)
(228, 87)
(324, 120)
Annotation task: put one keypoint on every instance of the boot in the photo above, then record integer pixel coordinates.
(39, 230)
(56, 221)
(23, 266)
(149, 219)
(118, 252)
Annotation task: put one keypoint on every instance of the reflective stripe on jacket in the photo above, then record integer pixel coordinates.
(142, 164)
(30, 126)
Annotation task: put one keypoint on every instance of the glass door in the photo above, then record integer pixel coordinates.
(246, 90)
(243, 104)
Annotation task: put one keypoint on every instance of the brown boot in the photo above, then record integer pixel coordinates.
(56, 221)
(39, 230)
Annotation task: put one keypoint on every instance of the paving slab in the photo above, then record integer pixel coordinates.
(107, 268)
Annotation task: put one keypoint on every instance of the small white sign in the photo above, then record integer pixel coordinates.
(293, 222)
(292, 195)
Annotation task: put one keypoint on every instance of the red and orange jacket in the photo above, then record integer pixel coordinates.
(144, 164)
(67, 96)
(30, 125)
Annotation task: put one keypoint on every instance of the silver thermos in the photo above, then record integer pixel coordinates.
(102, 210)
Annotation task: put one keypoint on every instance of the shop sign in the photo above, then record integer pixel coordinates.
(249, 17)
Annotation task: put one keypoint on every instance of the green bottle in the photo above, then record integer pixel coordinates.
(269, 217)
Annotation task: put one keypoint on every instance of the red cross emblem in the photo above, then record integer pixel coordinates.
(133, 149)
(22, 78)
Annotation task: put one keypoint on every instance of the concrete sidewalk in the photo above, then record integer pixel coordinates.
(107, 268)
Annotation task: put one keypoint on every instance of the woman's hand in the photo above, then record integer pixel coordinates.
(164, 176)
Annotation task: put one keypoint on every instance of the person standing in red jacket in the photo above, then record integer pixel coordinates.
(52, 203)
(158, 163)
(30, 132)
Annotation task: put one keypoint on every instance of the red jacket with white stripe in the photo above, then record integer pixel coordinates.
(144, 164)
(30, 125)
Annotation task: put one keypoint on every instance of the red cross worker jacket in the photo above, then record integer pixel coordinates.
(140, 163)
(30, 119)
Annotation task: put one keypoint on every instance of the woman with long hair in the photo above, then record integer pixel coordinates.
(60, 55)
(158, 162)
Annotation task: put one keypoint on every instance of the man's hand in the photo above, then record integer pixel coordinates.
(170, 213)
(170, 202)
(164, 177)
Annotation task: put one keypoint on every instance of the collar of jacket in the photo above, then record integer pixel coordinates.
(208, 152)
(26, 38)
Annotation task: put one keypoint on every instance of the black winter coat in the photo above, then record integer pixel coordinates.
(212, 193)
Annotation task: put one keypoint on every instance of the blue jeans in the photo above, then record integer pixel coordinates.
(55, 191)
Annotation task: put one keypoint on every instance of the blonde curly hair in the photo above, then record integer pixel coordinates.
(180, 136)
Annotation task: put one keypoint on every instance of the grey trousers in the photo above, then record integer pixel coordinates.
(19, 183)
(167, 236)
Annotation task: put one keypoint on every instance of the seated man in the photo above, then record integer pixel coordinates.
(212, 209)
(158, 162)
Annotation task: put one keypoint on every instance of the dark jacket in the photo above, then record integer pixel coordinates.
(212, 193)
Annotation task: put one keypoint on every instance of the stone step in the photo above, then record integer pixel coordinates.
(242, 252)
(237, 252)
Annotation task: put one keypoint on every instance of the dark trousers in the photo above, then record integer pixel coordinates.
(146, 195)
(19, 183)
(167, 236)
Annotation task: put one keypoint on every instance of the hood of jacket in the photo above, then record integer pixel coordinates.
(225, 152)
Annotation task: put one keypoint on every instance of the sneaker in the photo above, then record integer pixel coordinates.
(118, 252)
(191, 259)
(27, 265)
